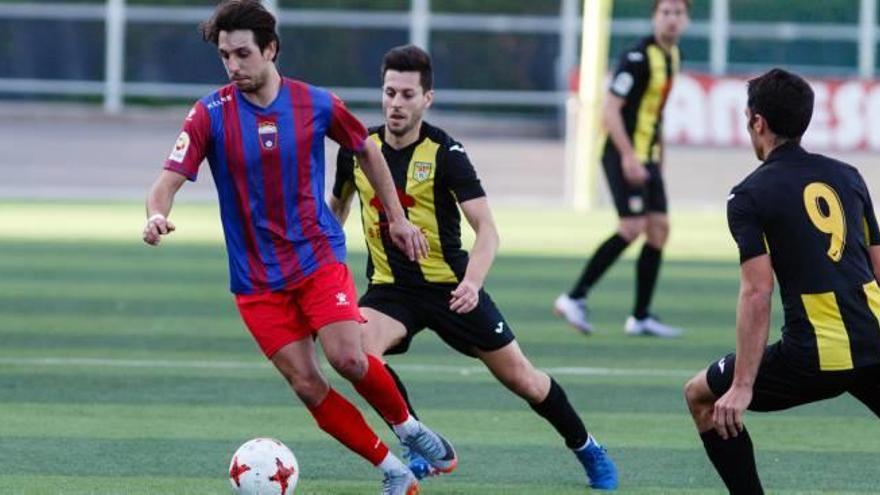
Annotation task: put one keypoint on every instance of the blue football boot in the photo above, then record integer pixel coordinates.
(417, 464)
(597, 463)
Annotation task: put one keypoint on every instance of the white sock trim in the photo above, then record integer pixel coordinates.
(391, 464)
(407, 428)
(590, 440)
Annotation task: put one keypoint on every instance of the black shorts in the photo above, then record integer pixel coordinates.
(782, 384)
(483, 328)
(633, 201)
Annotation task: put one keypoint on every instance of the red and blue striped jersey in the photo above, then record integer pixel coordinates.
(268, 166)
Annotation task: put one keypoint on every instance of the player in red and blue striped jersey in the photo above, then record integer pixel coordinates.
(263, 136)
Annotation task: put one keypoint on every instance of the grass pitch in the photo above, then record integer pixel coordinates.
(126, 370)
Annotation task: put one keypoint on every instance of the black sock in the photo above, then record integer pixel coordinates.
(403, 392)
(647, 269)
(556, 409)
(734, 459)
(602, 259)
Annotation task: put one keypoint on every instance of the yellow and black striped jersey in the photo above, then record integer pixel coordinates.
(815, 218)
(644, 78)
(432, 176)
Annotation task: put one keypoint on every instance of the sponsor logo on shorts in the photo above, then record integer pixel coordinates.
(341, 299)
(636, 204)
(180, 148)
(721, 363)
(500, 327)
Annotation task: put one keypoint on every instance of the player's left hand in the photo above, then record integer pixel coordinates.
(728, 414)
(157, 226)
(465, 297)
(409, 239)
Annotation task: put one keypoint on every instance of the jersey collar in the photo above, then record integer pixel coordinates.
(785, 150)
(423, 132)
(282, 94)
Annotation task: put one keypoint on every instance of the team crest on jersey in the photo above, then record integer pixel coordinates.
(180, 148)
(268, 132)
(422, 171)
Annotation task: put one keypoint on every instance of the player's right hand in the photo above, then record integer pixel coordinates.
(157, 226)
(727, 416)
(465, 297)
(634, 171)
(409, 239)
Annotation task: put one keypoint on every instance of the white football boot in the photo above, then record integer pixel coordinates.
(400, 483)
(650, 326)
(574, 311)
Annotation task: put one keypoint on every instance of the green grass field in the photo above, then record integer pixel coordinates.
(126, 370)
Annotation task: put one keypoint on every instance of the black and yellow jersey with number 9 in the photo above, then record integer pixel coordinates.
(813, 215)
(432, 176)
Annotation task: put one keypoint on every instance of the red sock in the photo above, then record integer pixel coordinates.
(378, 387)
(338, 417)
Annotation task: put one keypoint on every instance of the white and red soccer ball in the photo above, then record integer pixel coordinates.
(263, 466)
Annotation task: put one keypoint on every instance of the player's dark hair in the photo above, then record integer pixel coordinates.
(687, 5)
(410, 58)
(785, 101)
(232, 15)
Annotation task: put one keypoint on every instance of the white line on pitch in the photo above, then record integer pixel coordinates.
(413, 368)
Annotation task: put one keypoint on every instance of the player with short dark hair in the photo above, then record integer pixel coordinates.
(263, 136)
(809, 219)
(444, 291)
(633, 164)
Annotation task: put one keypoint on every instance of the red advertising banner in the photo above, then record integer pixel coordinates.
(709, 111)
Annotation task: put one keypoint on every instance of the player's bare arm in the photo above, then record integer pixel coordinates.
(633, 169)
(406, 236)
(752, 329)
(875, 260)
(479, 216)
(159, 201)
(341, 207)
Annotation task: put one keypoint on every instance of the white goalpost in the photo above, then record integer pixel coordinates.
(584, 135)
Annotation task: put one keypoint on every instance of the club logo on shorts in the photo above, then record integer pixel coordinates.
(180, 148)
(268, 135)
(341, 299)
(636, 204)
(422, 171)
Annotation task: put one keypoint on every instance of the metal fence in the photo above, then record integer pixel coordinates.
(717, 31)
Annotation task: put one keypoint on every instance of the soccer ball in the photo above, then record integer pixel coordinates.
(263, 466)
